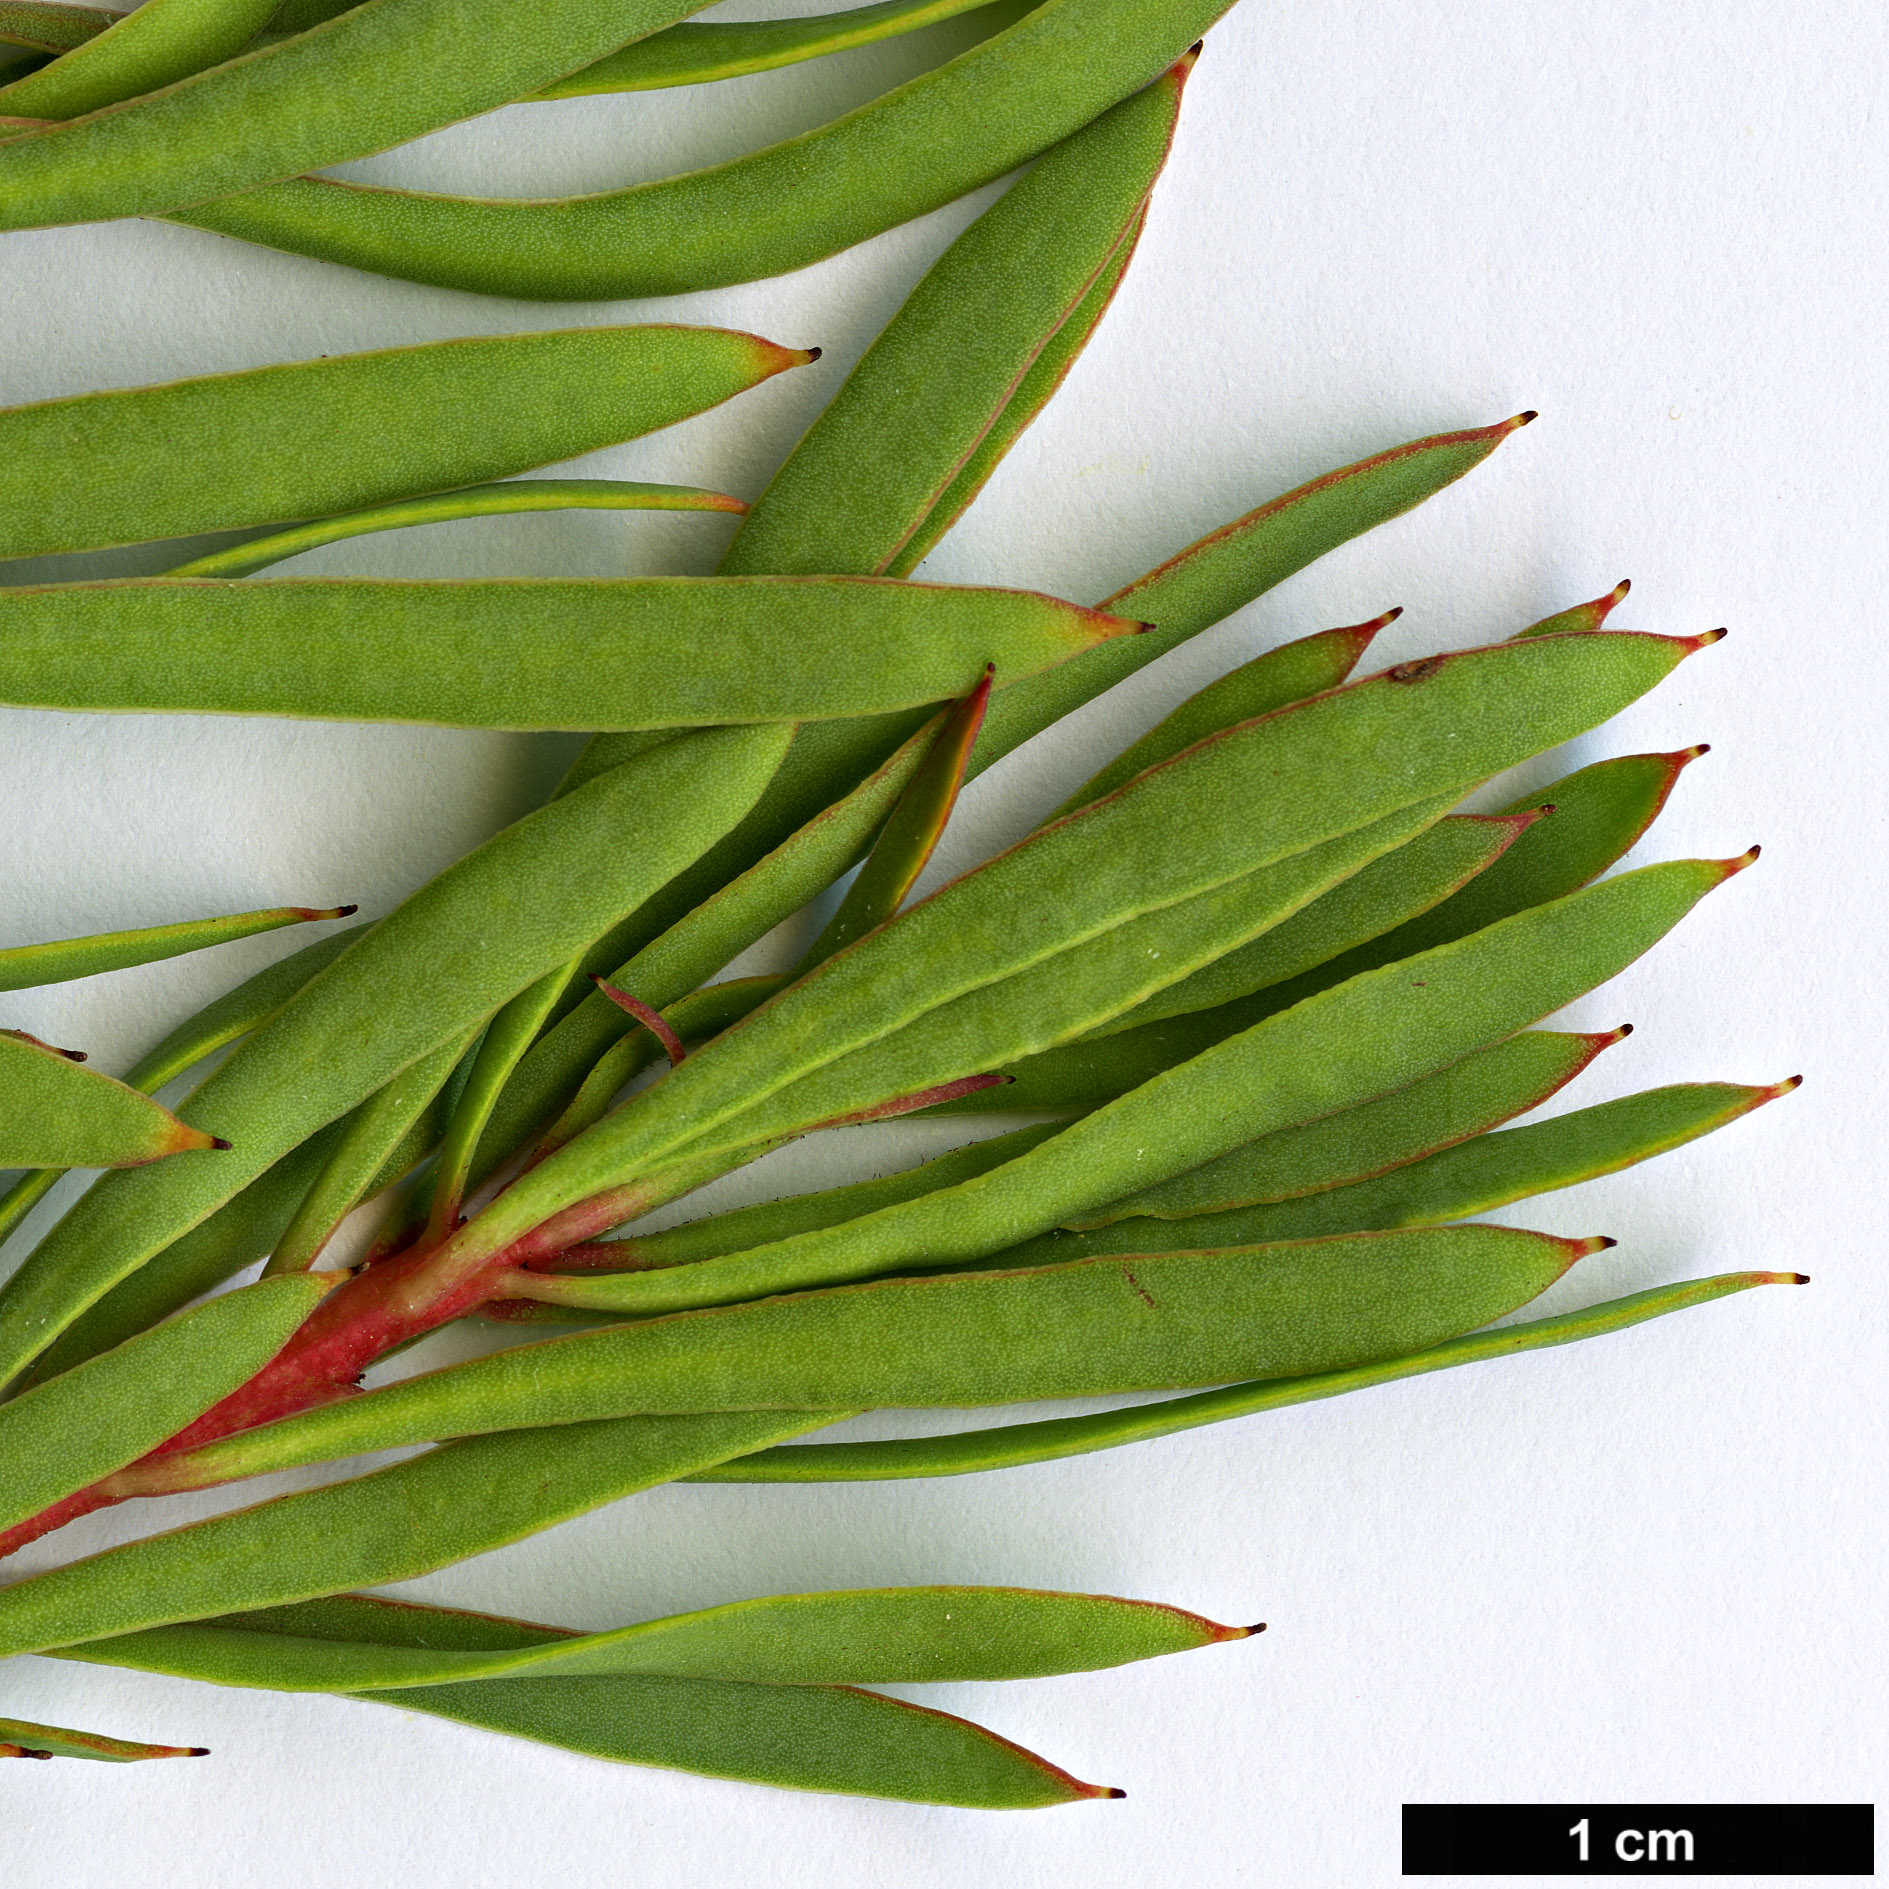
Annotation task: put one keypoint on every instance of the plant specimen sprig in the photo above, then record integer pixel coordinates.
(1272, 999)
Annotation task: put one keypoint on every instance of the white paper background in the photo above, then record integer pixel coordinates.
(1639, 1570)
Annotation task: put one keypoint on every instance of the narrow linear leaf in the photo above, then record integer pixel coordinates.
(25, 967)
(392, 1525)
(360, 1153)
(1378, 1032)
(478, 501)
(871, 468)
(1012, 1445)
(1288, 674)
(55, 1114)
(644, 652)
(1034, 391)
(1600, 813)
(807, 1738)
(1466, 1098)
(470, 940)
(155, 45)
(1164, 1321)
(717, 1234)
(871, 1636)
(218, 1024)
(311, 438)
(75, 1429)
(837, 783)
(910, 836)
(1475, 1176)
(699, 52)
(20, 1738)
(1583, 616)
(1303, 773)
(920, 146)
(52, 25)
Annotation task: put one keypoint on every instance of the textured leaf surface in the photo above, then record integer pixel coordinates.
(451, 954)
(75, 1429)
(56, 1114)
(1011, 1445)
(920, 146)
(1156, 1322)
(314, 437)
(882, 1636)
(648, 652)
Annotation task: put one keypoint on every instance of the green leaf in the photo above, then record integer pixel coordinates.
(525, 901)
(240, 1232)
(54, 1114)
(76, 1429)
(1013, 1444)
(1466, 1098)
(384, 72)
(309, 438)
(52, 25)
(1474, 1176)
(1034, 391)
(871, 1636)
(698, 53)
(20, 1738)
(805, 1738)
(1379, 1032)
(478, 501)
(1290, 673)
(1304, 774)
(1599, 814)
(1418, 875)
(1163, 1321)
(920, 146)
(910, 835)
(367, 1141)
(869, 471)
(392, 1525)
(648, 652)
(157, 44)
(721, 1233)
(25, 967)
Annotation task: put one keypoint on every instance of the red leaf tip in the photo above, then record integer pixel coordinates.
(217, 1141)
(813, 354)
(1747, 858)
(1782, 1088)
(1686, 756)
(651, 1020)
(1696, 643)
(1516, 424)
(313, 914)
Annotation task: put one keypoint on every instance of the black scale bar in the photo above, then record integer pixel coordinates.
(1639, 1840)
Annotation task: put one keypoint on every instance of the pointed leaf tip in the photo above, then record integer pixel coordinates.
(1519, 421)
(1788, 1086)
(1747, 858)
(1595, 1243)
(1620, 1035)
(1704, 641)
(217, 1141)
